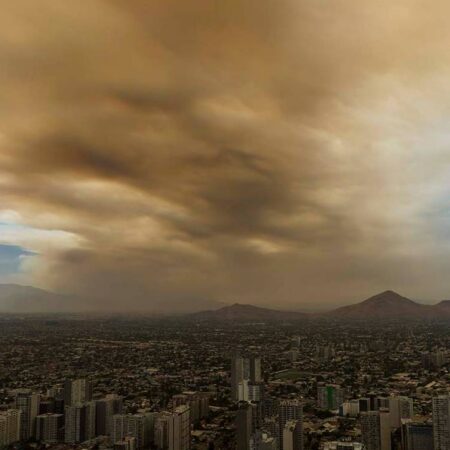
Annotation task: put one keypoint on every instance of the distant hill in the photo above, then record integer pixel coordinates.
(390, 305)
(386, 305)
(443, 306)
(19, 299)
(240, 312)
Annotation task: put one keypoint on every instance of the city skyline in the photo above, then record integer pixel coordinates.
(145, 383)
(177, 155)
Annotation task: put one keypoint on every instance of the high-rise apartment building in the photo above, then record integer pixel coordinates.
(385, 429)
(416, 435)
(329, 396)
(349, 408)
(10, 422)
(293, 435)
(135, 425)
(79, 422)
(27, 402)
(198, 403)
(77, 391)
(237, 376)
(105, 409)
(291, 409)
(50, 428)
(180, 429)
(370, 430)
(400, 408)
(376, 429)
(255, 391)
(255, 370)
(441, 422)
(244, 426)
(243, 392)
(243, 372)
(162, 430)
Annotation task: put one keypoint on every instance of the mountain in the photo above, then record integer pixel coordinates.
(443, 307)
(387, 305)
(239, 312)
(19, 299)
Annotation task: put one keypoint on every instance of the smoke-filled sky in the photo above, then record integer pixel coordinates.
(168, 154)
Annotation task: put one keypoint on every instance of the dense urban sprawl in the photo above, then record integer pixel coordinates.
(128, 383)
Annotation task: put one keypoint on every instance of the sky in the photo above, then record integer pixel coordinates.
(173, 155)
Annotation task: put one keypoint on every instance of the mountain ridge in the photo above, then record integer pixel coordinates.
(385, 305)
(19, 299)
(242, 311)
(22, 299)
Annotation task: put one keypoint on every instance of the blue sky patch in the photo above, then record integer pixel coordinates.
(11, 258)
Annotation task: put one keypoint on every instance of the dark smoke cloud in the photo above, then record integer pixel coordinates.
(287, 153)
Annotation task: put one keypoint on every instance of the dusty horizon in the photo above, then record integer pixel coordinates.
(31, 300)
(286, 154)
